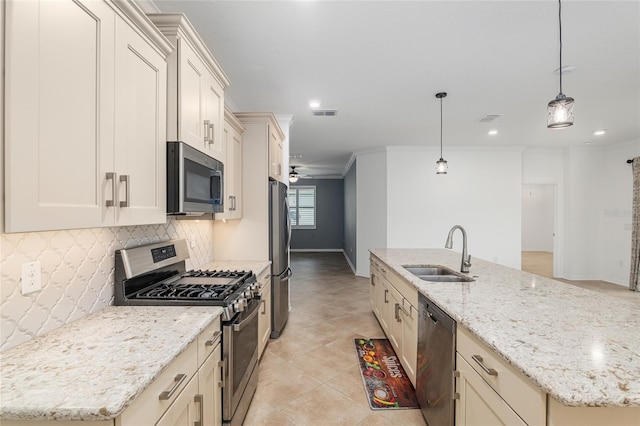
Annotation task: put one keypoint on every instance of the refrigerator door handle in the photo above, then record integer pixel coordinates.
(286, 211)
(286, 275)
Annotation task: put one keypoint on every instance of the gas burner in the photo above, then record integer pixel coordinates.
(215, 274)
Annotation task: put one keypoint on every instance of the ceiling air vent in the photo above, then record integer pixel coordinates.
(325, 112)
(489, 117)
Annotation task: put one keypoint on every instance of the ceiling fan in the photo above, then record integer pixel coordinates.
(294, 176)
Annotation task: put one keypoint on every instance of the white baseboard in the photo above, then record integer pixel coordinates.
(353, 268)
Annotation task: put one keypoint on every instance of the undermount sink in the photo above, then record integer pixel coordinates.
(436, 273)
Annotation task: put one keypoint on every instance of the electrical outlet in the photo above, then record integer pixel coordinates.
(31, 277)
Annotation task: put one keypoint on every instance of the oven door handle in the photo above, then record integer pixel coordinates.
(247, 320)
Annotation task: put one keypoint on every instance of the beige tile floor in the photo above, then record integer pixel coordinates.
(309, 376)
(541, 263)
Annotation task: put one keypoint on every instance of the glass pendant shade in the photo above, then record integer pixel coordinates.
(560, 112)
(293, 177)
(441, 167)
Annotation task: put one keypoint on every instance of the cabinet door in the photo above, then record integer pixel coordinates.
(209, 377)
(275, 155)
(479, 405)
(264, 320)
(409, 343)
(213, 98)
(385, 306)
(141, 78)
(59, 105)
(234, 143)
(395, 320)
(183, 411)
(193, 76)
(232, 174)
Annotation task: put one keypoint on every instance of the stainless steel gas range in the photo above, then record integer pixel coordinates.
(156, 275)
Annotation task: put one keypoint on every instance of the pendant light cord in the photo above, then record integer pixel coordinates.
(441, 128)
(560, 37)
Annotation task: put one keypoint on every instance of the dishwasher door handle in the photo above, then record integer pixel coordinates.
(480, 361)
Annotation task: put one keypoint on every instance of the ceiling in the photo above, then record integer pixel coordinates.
(380, 64)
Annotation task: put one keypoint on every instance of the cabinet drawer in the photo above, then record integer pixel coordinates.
(264, 278)
(519, 392)
(479, 405)
(148, 407)
(407, 290)
(208, 339)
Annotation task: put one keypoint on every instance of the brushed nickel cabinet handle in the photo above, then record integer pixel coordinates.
(480, 361)
(213, 339)
(212, 137)
(385, 295)
(264, 307)
(373, 283)
(221, 366)
(206, 131)
(125, 179)
(112, 177)
(397, 312)
(177, 382)
(199, 399)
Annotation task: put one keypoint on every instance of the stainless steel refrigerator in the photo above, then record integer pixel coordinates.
(280, 239)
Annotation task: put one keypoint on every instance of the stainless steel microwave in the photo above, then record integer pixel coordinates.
(195, 181)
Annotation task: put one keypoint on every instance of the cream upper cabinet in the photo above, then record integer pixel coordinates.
(195, 90)
(232, 137)
(141, 75)
(276, 156)
(70, 132)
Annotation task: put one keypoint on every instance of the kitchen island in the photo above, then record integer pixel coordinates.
(577, 346)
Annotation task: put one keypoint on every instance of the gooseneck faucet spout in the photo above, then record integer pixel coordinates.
(466, 259)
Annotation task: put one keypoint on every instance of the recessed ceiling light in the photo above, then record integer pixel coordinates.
(314, 104)
(600, 132)
(493, 132)
(588, 143)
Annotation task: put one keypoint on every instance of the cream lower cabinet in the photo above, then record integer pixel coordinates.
(264, 318)
(479, 405)
(196, 83)
(185, 393)
(393, 302)
(85, 102)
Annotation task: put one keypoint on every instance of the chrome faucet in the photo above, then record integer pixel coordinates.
(466, 259)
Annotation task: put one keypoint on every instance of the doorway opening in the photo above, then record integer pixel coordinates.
(538, 229)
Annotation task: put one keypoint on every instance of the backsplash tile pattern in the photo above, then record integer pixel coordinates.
(77, 271)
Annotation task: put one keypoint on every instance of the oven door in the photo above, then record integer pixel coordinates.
(240, 356)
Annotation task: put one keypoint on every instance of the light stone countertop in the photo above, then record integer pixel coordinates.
(93, 368)
(579, 346)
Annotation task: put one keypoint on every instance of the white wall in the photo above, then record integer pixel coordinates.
(594, 184)
(538, 208)
(371, 201)
(481, 192)
(615, 187)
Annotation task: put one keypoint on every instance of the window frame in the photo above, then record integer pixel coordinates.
(297, 189)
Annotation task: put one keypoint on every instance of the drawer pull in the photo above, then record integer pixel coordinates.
(214, 338)
(480, 361)
(221, 366)
(385, 295)
(199, 399)
(178, 381)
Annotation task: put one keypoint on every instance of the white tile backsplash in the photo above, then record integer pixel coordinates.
(77, 272)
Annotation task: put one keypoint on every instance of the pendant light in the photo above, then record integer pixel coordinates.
(560, 109)
(441, 164)
(293, 175)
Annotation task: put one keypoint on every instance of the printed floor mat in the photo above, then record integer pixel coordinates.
(385, 381)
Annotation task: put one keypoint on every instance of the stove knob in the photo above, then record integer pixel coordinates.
(237, 306)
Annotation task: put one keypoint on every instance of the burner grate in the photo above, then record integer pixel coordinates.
(187, 292)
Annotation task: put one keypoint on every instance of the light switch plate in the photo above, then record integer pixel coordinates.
(31, 277)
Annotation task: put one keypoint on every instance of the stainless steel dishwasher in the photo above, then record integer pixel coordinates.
(436, 364)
